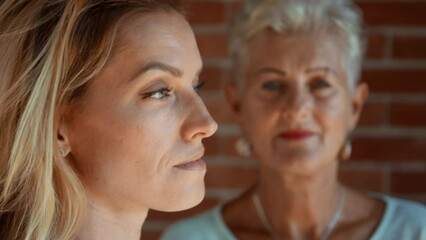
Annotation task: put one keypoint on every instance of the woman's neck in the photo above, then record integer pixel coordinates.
(103, 222)
(301, 206)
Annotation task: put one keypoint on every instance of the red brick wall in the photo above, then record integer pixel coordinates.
(390, 142)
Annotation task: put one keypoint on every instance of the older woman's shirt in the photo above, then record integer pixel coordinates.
(402, 219)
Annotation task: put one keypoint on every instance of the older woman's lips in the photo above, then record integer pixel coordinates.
(296, 135)
(198, 164)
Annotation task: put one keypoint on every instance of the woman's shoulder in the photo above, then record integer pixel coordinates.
(402, 219)
(406, 210)
(208, 225)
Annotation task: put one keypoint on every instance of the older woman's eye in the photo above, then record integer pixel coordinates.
(319, 84)
(272, 85)
(158, 94)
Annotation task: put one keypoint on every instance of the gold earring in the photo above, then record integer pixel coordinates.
(346, 151)
(243, 147)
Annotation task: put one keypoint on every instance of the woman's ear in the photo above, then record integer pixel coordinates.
(63, 137)
(358, 100)
(232, 96)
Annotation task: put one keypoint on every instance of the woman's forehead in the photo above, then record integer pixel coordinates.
(153, 37)
(145, 27)
(273, 47)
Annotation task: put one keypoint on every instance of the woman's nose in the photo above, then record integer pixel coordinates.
(296, 105)
(198, 123)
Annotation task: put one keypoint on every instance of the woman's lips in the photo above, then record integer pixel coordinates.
(296, 134)
(198, 164)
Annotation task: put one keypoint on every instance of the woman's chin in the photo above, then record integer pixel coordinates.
(189, 202)
(183, 200)
(295, 163)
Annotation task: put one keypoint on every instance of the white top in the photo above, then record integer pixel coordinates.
(402, 220)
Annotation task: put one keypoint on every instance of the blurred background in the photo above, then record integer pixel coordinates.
(389, 145)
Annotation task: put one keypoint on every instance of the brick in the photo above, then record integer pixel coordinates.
(363, 180)
(207, 13)
(395, 81)
(220, 110)
(373, 114)
(234, 7)
(409, 48)
(227, 76)
(375, 46)
(229, 146)
(408, 182)
(213, 45)
(173, 216)
(230, 177)
(401, 13)
(212, 77)
(389, 149)
(211, 145)
(408, 115)
(375, 13)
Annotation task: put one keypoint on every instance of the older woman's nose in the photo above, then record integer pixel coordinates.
(198, 123)
(296, 105)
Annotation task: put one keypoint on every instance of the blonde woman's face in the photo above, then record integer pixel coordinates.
(296, 107)
(136, 135)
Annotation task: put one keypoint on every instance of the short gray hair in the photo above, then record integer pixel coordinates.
(341, 16)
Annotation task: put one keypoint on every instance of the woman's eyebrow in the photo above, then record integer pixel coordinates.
(158, 66)
(265, 70)
(321, 69)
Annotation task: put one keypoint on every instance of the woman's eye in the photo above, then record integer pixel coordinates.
(159, 94)
(199, 86)
(272, 85)
(320, 84)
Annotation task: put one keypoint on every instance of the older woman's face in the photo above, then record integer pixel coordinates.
(296, 107)
(135, 136)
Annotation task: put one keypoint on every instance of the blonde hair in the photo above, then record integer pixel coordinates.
(51, 50)
(293, 16)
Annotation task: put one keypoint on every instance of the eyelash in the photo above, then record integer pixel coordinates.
(165, 91)
(273, 86)
(320, 84)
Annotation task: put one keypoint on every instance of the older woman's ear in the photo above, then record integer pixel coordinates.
(358, 100)
(233, 98)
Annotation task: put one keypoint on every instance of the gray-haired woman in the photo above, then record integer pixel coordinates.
(297, 98)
